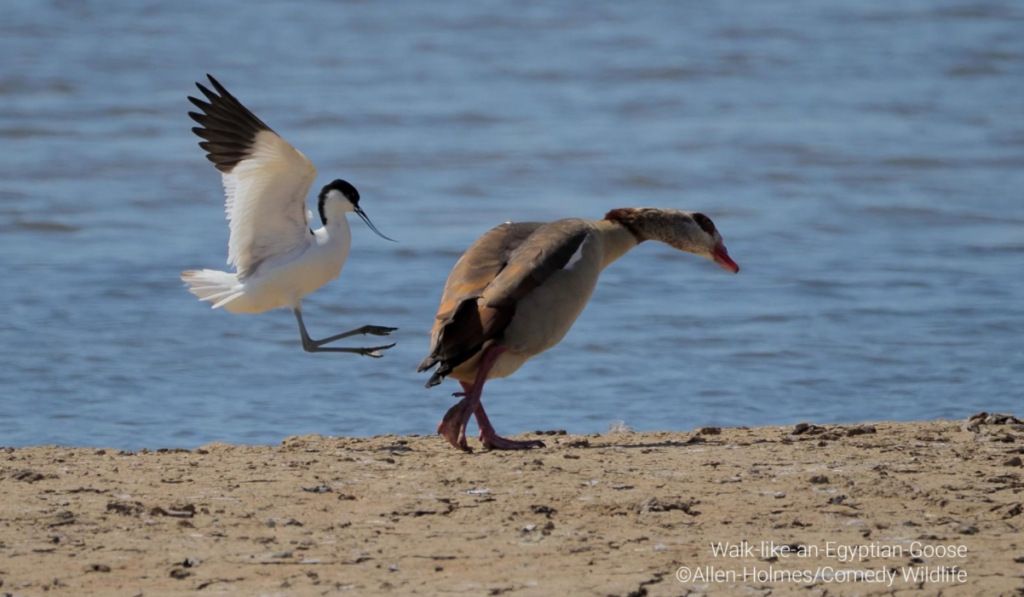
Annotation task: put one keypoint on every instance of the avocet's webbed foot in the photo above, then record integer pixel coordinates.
(372, 351)
(311, 345)
(374, 330)
(368, 351)
(371, 330)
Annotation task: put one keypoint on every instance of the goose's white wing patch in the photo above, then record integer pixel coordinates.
(578, 254)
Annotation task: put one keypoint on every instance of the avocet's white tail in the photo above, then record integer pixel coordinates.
(219, 288)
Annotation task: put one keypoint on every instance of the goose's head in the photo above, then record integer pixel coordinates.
(340, 198)
(683, 230)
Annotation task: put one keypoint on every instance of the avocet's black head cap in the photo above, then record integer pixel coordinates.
(342, 187)
(352, 195)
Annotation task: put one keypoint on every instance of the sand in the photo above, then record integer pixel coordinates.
(806, 510)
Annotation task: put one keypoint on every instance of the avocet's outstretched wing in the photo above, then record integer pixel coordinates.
(266, 180)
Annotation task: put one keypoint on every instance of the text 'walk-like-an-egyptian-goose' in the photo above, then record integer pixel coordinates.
(278, 257)
(518, 289)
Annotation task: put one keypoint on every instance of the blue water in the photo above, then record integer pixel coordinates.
(864, 162)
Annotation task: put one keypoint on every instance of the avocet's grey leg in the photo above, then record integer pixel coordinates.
(373, 330)
(311, 345)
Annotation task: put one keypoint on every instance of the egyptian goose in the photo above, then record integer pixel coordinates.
(518, 289)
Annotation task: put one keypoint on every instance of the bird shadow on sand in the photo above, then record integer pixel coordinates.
(664, 444)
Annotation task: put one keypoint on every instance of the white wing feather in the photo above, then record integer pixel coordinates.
(266, 202)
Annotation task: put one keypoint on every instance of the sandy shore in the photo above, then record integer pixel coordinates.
(804, 510)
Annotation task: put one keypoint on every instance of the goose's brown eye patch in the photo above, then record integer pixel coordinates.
(705, 223)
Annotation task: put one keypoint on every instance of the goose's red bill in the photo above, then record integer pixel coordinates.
(723, 260)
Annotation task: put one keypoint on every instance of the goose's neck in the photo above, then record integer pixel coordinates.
(618, 240)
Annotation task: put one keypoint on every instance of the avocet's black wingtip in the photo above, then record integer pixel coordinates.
(204, 106)
(220, 88)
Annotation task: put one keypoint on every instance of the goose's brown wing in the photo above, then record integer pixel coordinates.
(498, 270)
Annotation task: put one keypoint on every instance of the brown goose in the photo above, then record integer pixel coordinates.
(518, 289)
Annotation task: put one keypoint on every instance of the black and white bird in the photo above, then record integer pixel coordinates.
(278, 258)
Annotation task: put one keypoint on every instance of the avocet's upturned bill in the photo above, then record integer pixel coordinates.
(277, 256)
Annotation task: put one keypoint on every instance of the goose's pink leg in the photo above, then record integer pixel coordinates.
(492, 441)
(453, 425)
